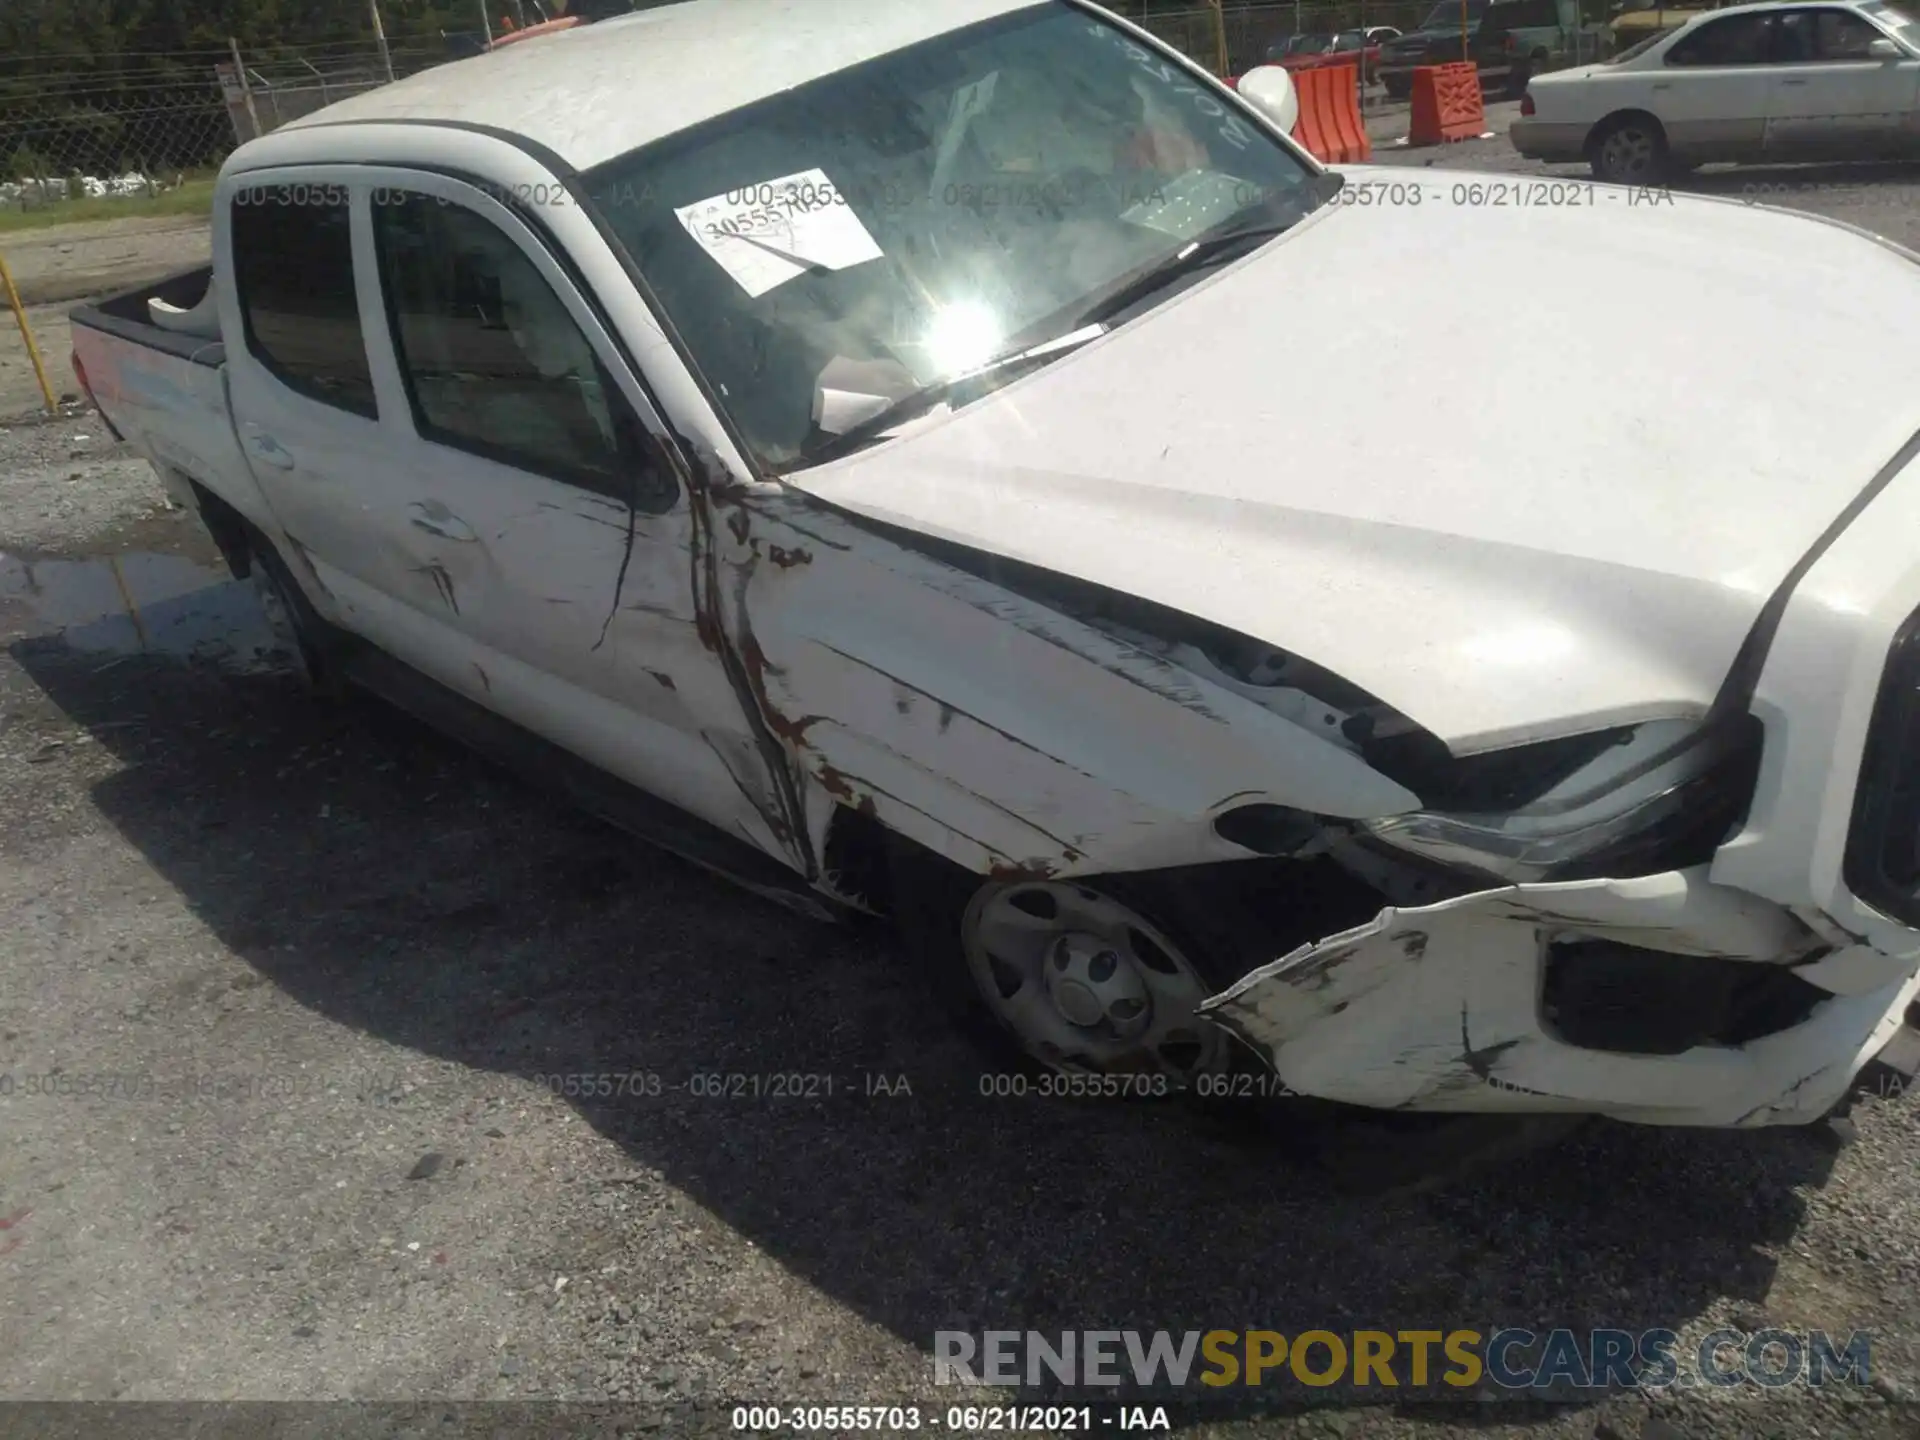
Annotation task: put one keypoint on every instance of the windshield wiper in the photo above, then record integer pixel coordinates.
(1090, 324)
(920, 401)
(1198, 254)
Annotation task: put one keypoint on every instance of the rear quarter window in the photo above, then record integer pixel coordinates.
(293, 270)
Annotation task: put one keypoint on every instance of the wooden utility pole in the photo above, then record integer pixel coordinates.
(1220, 64)
(246, 86)
(380, 38)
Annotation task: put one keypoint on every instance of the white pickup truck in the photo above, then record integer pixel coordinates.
(966, 463)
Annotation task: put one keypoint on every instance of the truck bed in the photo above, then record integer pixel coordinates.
(125, 315)
(165, 392)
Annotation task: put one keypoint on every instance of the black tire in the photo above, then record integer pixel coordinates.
(930, 900)
(1398, 87)
(1220, 918)
(311, 645)
(1629, 149)
(1206, 912)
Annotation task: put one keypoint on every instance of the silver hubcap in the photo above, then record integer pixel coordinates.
(1085, 984)
(1627, 152)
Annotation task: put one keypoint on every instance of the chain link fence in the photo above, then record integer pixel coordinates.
(158, 121)
(263, 95)
(67, 138)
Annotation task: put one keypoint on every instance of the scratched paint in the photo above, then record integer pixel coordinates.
(992, 734)
(9, 1223)
(442, 584)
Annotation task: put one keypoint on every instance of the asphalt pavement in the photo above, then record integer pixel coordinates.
(389, 1078)
(1883, 197)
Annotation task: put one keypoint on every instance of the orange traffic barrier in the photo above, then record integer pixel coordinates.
(549, 27)
(1446, 104)
(1329, 124)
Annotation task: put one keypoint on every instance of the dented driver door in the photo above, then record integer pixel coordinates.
(544, 519)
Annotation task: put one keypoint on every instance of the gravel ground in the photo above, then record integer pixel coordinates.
(59, 263)
(56, 267)
(335, 961)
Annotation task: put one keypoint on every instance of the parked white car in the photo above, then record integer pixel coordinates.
(937, 461)
(1773, 83)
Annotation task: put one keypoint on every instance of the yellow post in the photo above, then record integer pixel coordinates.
(26, 334)
(1220, 64)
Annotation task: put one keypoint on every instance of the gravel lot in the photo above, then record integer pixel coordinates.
(58, 266)
(336, 959)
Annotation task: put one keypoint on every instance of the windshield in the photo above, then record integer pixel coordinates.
(1311, 44)
(870, 234)
(1446, 15)
(1639, 47)
(1896, 20)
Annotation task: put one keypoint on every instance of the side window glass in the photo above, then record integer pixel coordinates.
(495, 364)
(1844, 35)
(293, 268)
(1793, 38)
(1737, 40)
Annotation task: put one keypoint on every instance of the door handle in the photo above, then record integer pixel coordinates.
(1662, 85)
(1789, 80)
(269, 450)
(437, 520)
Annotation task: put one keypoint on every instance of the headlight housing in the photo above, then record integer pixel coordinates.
(1633, 800)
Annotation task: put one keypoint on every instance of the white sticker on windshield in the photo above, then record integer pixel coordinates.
(764, 235)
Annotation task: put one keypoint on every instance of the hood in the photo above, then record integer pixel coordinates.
(1517, 472)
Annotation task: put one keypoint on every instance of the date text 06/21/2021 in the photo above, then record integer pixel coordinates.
(965, 1419)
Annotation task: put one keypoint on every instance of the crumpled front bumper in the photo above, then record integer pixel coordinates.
(1440, 1008)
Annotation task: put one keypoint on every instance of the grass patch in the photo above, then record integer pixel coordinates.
(195, 197)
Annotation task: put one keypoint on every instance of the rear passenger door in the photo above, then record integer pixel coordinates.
(300, 382)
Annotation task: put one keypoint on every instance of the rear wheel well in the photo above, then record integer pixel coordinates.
(1608, 124)
(228, 527)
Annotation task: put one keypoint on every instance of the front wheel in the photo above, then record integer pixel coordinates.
(1631, 150)
(1069, 977)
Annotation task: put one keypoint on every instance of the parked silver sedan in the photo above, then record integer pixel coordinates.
(1773, 83)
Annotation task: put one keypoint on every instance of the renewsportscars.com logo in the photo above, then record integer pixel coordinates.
(1505, 1356)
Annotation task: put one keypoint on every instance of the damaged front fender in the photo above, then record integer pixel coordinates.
(1457, 1006)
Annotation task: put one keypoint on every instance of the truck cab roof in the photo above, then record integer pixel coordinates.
(597, 91)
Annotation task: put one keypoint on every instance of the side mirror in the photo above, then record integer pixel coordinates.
(1269, 89)
(1883, 49)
